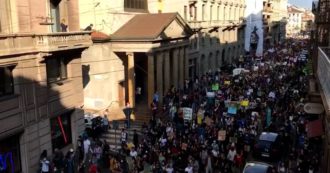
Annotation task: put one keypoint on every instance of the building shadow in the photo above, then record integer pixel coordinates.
(36, 117)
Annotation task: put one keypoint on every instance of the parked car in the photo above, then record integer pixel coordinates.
(268, 146)
(257, 167)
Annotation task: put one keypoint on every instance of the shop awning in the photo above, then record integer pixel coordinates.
(313, 108)
(314, 128)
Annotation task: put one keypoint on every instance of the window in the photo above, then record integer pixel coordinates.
(60, 127)
(6, 81)
(195, 16)
(135, 5)
(185, 12)
(203, 12)
(211, 12)
(218, 13)
(56, 69)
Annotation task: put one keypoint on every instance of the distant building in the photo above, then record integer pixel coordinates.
(41, 91)
(295, 15)
(307, 22)
(274, 15)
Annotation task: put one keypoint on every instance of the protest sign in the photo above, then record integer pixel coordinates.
(222, 135)
(232, 110)
(245, 103)
(187, 113)
(215, 87)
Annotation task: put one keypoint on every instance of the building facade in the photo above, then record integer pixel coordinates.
(294, 20)
(274, 20)
(321, 66)
(219, 31)
(41, 92)
(216, 26)
(307, 22)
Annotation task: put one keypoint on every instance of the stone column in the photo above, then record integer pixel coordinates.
(175, 65)
(159, 75)
(131, 78)
(181, 67)
(151, 76)
(186, 62)
(167, 72)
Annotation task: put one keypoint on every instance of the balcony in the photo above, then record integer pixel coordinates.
(11, 44)
(323, 68)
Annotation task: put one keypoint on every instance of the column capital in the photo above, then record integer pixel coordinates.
(129, 53)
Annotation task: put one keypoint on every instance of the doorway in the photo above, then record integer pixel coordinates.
(141, 78)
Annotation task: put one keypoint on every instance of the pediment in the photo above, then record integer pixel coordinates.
(174, 30)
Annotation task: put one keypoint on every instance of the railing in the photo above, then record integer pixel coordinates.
(214, 23)
(23, 43)
(323, 68)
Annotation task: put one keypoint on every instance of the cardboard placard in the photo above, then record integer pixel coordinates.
(222, 135)
(187, 113)
(227, 82)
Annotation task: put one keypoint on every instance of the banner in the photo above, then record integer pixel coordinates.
(187, 113)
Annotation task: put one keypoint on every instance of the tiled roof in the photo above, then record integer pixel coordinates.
(99, 36)
(144, 26)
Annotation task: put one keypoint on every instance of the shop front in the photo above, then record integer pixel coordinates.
(61, 130)
(10, 158)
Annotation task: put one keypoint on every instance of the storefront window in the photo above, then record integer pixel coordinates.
(61, 130)
(10, 155)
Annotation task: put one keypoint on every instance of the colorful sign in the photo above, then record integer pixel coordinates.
(232, 110)
(215, 87)
(245, 103)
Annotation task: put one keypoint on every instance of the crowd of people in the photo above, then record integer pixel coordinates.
(227, 114)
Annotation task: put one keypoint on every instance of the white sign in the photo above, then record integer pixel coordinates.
(187, 113)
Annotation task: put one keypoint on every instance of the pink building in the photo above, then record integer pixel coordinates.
(41, 87)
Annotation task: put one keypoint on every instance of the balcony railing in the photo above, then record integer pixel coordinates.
(323, 68)
(23, 43)
(214, 23)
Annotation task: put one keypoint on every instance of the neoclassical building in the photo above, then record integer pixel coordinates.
(219, 28)
(191, 38)
(41, 91)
